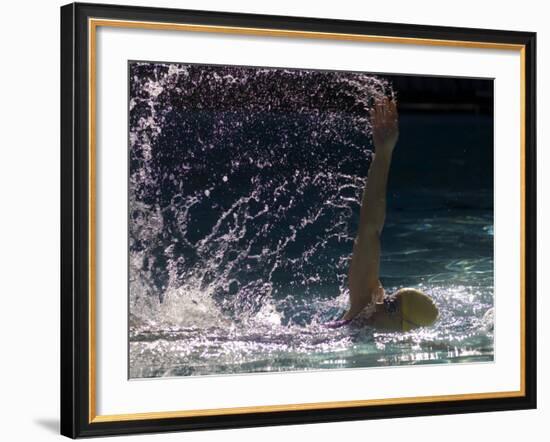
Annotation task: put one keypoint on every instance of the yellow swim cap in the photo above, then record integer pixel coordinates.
(417, 308)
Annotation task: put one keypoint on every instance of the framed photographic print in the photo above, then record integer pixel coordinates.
(274, 220)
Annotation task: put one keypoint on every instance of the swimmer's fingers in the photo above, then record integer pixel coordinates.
(390, 122)
(382, 105)
(377, 113)
(384, 123)
(373, 112)
(392, 111)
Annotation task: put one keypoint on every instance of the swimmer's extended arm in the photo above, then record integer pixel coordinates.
(365, 262)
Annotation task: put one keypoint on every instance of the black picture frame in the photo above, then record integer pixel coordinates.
(77, 416)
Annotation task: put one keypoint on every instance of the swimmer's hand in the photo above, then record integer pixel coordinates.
(384, 121)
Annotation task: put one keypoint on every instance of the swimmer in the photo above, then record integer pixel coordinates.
(407, 308)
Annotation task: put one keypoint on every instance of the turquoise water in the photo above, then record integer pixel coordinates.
(445, 253)
(244, 207)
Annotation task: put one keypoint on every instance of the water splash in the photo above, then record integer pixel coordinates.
(243, 183)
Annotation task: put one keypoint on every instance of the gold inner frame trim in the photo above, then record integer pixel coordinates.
(93, 24)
